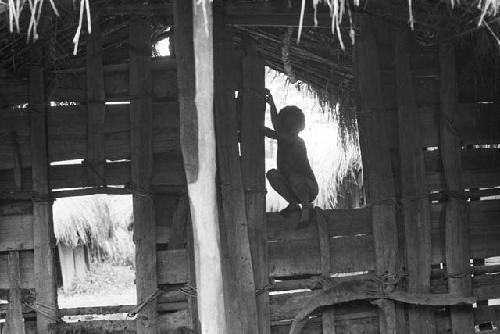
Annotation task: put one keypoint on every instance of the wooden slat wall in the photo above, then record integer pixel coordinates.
(296, 252)
(71, 84)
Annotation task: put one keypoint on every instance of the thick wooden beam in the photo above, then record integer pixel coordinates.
(141, 126)
(195, 79)
(183, 22)
(15, 320)
(416, 205)
(240, 275)
(373, 134)
(95, 106)
(456, 215)
(253, 171)
(43, 233)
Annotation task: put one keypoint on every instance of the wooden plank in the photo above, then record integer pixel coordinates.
(253, 170)
(95, 105)
(340, 223)
(486, 314)
(166, 323)
(26, 269)
(14, 319)
(68, 132)
(476, 124)
(45, 284)
(295, 258)
(416, 213)
(186, 86)
(141, 122)
(16, 232)
(328, 315)
(194, 322)
(374, 144)
(17, 160)
(167, 171)
(201, 181)
(456, 224)
(179, 223)
(239, 270)
(172, 266)
(480, 168)
(71, 85)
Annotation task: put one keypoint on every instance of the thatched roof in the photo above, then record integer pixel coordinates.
(96, 219)
(318, 60)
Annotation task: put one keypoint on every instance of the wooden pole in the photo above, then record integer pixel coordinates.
(95, 102)
(416, 206)
(184, 52)
(328, 315)
(456, 216)
(42, 207)
(14, 318)
(141, 126)
(240, 279)
(253, 169)
(376, 161)
(200, 156)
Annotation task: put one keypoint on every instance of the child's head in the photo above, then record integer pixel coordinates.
(291, 119)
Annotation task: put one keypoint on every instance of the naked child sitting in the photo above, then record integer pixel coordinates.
(293, 179)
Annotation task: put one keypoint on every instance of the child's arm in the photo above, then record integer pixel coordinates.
(274, 111)
(270, 133)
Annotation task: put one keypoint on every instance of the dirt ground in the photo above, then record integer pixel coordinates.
(105, 285)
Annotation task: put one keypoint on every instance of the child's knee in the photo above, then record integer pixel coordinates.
(272, 175)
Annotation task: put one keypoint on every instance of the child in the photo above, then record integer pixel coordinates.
(294, 179)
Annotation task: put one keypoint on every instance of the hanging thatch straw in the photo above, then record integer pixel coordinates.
(16, 7)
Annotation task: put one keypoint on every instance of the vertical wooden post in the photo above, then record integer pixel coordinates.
(14, 318)
(95, 106)
(184, 53)
(456, 216)
(243, 310)
(42, 207)
(376, 161)
(416, 206)
(328, 315)
(198, 149)
(253, 169)
(141, 125)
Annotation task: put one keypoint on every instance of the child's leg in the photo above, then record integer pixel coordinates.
(306, 190)
(280, 183)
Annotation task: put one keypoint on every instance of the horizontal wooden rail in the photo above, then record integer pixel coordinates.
(67, 132)
(292, 252)
(70, 85)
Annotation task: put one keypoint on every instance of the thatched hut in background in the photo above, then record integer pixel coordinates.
(92, 228)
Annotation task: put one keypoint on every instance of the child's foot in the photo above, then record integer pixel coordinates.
(305, 214)
(291, 208)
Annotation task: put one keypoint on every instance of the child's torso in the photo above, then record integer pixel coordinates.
(292, 157)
